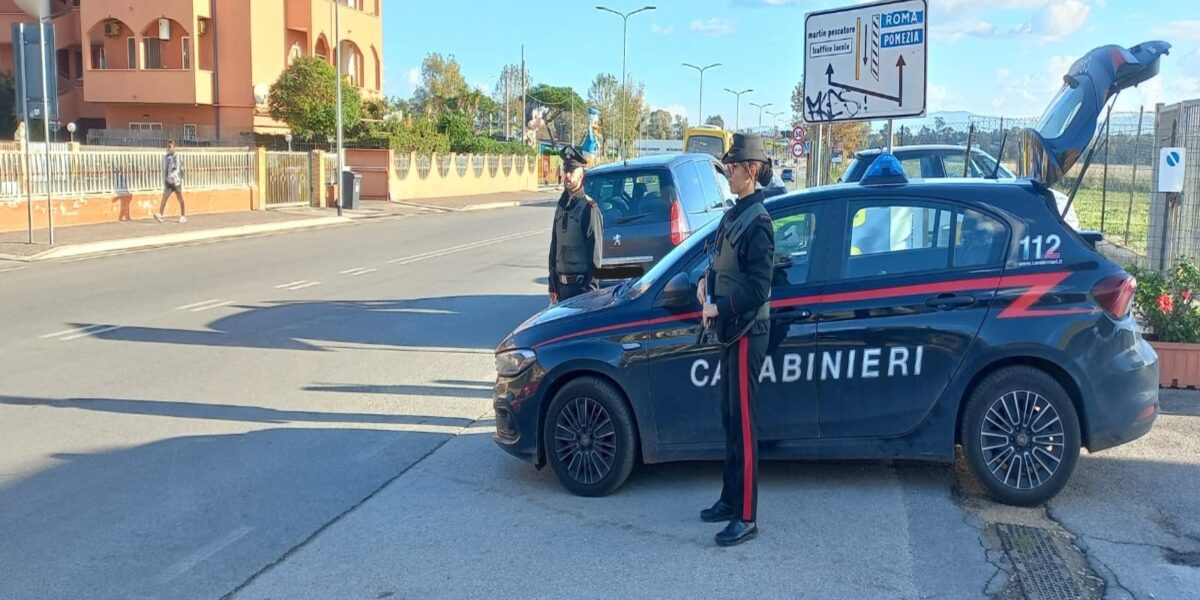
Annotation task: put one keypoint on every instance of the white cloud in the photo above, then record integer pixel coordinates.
(713, 27)
(657, 29)
(414, 77)
(1053, 20)
(1179, 31)
(676, 110)
(1060, 19)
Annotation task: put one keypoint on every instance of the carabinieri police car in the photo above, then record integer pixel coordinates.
(907, 317)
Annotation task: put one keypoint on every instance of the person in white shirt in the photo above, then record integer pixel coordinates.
(172, 182)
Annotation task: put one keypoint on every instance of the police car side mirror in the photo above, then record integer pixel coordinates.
(678, 293)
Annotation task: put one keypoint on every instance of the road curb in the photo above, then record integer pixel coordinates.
(172, 239)
(477, 207)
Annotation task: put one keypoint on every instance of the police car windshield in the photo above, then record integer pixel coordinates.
(639, 287)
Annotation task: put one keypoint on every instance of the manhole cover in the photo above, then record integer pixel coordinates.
(1040, 569)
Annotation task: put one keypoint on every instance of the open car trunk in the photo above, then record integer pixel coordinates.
(1069, 123)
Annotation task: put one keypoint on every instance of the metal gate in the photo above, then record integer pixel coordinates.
(288, 179)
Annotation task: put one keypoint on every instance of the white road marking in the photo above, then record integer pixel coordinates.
(306, 284)
(364, 272)
(204, 553)
(66, 331)
(90, 332)
(351, 271)
(197, 304)
(212, 306)
(297, 285)
(461, 248)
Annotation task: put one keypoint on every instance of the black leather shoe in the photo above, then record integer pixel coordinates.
(736, 532)
(720, 512)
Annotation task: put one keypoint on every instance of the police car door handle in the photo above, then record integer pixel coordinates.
(788, 315)
(950, 301)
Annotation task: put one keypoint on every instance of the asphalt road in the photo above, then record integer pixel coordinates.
(307, 415)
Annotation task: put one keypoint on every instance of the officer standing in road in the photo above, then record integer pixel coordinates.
(735, 293)
(575, 241)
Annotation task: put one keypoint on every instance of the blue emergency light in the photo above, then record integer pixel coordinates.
(886, 170)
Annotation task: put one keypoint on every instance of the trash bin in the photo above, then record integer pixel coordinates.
(351, 189)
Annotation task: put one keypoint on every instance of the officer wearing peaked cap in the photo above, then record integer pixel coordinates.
(575, 240)
(735, 293)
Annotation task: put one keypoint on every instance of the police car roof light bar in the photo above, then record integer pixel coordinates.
(885, 170)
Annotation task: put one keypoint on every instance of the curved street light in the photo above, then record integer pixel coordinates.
(738, 113)
(624, 37)
(700, 110)
(760, 108)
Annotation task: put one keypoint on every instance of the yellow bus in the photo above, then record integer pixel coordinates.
(708, 139)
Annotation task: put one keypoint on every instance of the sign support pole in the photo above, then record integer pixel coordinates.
(25, 115)
(891, 134)
(42, 24)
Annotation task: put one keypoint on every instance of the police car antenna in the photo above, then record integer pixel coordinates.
(999, 157)
(1087, 162)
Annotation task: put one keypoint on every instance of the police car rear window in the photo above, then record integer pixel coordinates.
(635, 197)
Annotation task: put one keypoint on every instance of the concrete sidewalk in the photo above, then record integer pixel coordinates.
(86, 240)
(485, 201)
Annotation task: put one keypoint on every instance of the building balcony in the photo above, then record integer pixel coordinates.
(149, 86)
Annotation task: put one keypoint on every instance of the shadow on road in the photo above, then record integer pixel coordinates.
(230, 412)
(441, 387)
(187, 517)
(461, 322)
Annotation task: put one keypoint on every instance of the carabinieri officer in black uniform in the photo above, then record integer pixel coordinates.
(575, 241)
(736, 293)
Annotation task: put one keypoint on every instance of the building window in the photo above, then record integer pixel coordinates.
(153, 53)
(145, 126)
(189, 133)
(99, 58)
(78, 64)
(187, 53)
(131, 52)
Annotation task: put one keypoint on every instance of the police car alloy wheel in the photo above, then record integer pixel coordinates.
(1021, 435)
(589, 438)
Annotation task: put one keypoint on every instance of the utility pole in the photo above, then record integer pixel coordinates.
(700, 110)
(523, 95)
(341, 151)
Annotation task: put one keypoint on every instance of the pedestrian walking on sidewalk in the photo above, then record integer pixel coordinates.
(575, 245)
(172, 182)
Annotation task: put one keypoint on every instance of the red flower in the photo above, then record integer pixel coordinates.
(1166, 303)
(1187, 295)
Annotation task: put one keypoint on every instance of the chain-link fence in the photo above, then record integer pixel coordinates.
(1116, 196)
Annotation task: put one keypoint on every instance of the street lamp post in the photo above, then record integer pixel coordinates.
(624, 37)
(341, 153)
(760, 108)
(774, 127)
(700, 110)
(737, 120)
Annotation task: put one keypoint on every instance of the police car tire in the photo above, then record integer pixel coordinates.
(612, 401)
(996, 386)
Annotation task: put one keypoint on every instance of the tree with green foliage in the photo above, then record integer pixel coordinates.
(305, 97)
(680, 127)
(441, 82)
(717, 120)
(658, 127)
(561, 103)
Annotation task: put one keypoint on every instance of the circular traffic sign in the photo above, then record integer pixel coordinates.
(797, 150)
(798, 133)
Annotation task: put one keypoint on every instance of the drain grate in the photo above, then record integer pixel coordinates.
(1040, 569)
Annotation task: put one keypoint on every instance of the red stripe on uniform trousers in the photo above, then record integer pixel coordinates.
(744, 392)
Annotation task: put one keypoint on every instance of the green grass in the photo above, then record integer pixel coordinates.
(1111, 216)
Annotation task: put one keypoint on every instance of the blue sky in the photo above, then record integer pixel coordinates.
(991, 57)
